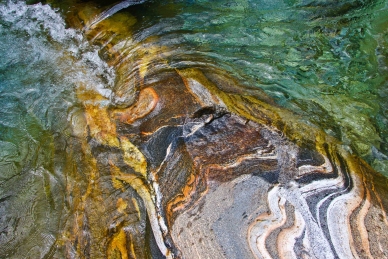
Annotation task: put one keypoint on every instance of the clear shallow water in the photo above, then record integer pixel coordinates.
(41, 64)
(324, 60)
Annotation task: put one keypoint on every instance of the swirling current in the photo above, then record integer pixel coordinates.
(120, 120)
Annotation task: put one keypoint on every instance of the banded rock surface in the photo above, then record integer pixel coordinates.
(215, 183)
(201, 167)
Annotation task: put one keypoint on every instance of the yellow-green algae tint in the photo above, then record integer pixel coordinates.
(354, 116)
(326, 62)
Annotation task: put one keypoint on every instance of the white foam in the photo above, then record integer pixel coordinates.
(66, 49)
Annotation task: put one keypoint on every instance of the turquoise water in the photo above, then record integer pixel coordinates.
(324, 60)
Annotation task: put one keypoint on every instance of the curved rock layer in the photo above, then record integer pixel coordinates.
(185, 163)
(211, 177)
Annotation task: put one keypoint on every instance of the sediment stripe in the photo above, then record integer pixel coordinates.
(362, 230)
(265, 224)
(338, 224)
(287, 237)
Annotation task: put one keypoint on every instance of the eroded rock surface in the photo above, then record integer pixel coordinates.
(215, 183)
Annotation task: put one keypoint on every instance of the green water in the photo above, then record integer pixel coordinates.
(324, 60)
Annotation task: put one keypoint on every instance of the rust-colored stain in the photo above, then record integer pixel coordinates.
(146, 102)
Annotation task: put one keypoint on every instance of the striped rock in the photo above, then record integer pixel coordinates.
(216, 179)
(186, 163)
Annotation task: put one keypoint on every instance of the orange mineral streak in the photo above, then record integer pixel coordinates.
(145, 104)
(180, 201)
(102, 128)
(361, 222)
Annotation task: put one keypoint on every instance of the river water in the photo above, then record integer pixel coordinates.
(325, 61)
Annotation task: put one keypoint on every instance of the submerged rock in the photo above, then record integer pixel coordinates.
(216, 170)
(216, 178)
